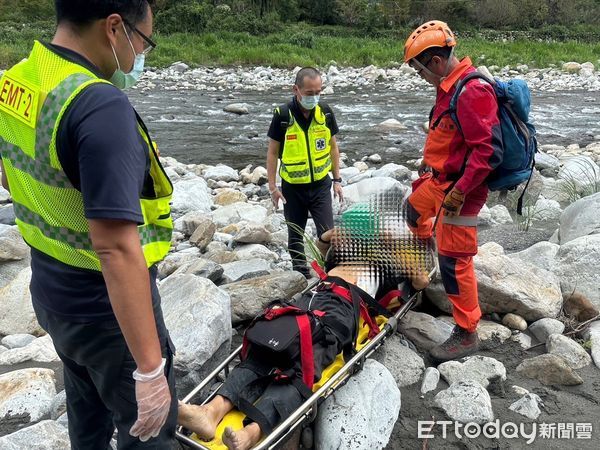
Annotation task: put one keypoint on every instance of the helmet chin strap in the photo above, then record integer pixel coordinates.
(422, 68)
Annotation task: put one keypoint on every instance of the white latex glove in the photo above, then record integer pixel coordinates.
(153, 402)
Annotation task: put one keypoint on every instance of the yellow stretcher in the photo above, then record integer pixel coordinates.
(332, 378)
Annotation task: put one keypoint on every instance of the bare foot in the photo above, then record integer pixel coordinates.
(202, 420)
(243, 439)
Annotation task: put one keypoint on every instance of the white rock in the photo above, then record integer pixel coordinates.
(543, 328)
(524, 340)
(12, 245)
(179, 67)
(568, 349)
(221, 173)
(27, 391)
(392, 170)
(16, 310)
(500, 215)
(237, 108)
(189, 222)
(477, 368)
(39, 350)
(17, 340)
(236, 212)
(349, 172)
(198, 317)
(249, 251)
(466, 401)
(528, 406)
(45, 435)
(241, 270)
(174, 261)
(252, 233)
(4, 195)
(540, 254)
(580, 219)
(484, 217)
(581, 171)
(58, 407)
(374, 158)
(362, 190)
(392, 124)
(191, 195)
(577, 264)
(373, 398)
(405, 365)
(520, 391)
(431, 378)
(544, 210)
(361, 166)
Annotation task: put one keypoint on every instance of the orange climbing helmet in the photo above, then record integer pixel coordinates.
(434, 33)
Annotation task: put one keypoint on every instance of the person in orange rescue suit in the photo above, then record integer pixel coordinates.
(452, 187)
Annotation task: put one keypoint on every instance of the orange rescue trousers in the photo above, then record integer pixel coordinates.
(456, 241)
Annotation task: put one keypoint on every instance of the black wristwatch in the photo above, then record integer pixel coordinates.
(337, 180)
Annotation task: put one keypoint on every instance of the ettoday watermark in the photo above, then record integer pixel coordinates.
(428, 429)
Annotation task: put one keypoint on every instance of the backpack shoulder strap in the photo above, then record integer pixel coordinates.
(286, 119)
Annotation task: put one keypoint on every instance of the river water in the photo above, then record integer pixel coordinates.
(192, 127)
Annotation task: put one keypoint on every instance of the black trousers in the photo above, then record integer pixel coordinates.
(100, 389)
(300, 200)
(275, 401)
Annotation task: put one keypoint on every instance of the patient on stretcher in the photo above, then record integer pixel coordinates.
(268, 397)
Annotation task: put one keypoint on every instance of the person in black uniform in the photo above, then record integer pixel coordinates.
(302, 137)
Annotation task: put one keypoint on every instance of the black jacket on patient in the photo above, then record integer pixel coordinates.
(253, 387)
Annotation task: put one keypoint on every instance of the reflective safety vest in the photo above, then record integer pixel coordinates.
(306, 155)
(34, 96)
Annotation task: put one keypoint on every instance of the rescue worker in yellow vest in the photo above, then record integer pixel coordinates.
(302, 136)
(92, 201)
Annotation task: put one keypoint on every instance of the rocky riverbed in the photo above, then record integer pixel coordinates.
(538, 285)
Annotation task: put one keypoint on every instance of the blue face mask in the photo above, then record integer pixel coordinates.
(124, 80)
(309, 101)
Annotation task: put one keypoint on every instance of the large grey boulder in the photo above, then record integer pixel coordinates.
(203, 234)
(577, 264)
(242, 270)
(236, 212)
(39, 350)
(569, 350)
(423, 330)
(12, 245)
(229, 196)
(549, 370)
(393, 170)
(27, 391)
(481, 369)
(249, 297)
(252, 233)
(546, 161)
(540, 254)
(221, 172)
(201, 267)
(504, 286)
(466, 401)
(16, 309)
(361, 414)
(7, 215)
(580, 219)
(197, 315)
(45, 435)
(404, 364)
(191, 194)
(543, 328)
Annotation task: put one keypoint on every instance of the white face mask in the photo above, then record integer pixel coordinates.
(124, 80)
(309, 101)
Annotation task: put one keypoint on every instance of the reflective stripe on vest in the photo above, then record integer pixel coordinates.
(49, 210)
(306, 156)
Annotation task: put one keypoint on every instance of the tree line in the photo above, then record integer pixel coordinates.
(264, 16)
